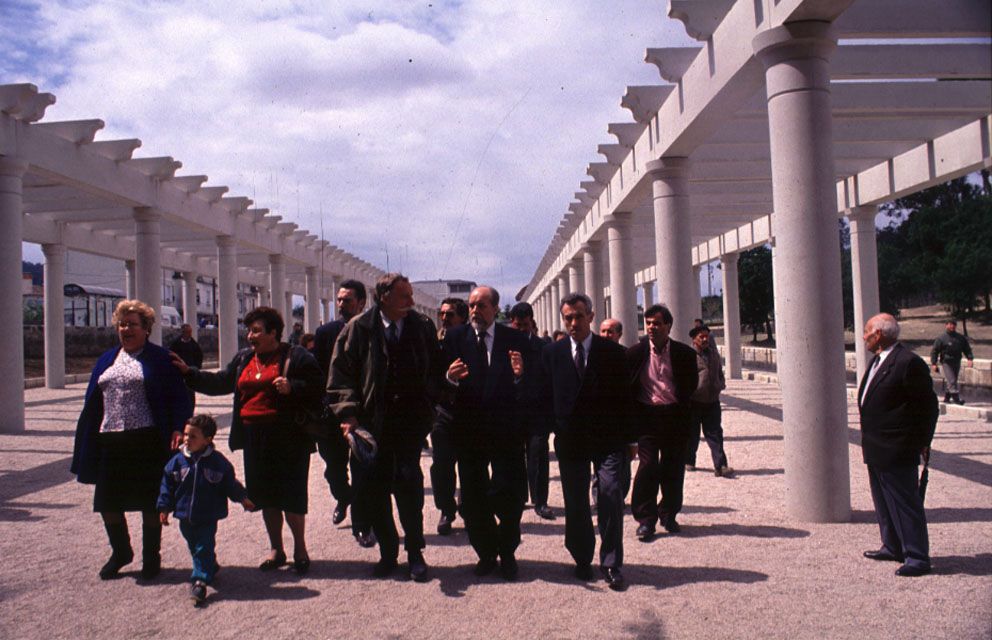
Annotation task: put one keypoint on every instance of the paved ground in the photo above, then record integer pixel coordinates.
(740, 569)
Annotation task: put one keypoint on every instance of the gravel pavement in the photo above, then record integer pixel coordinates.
(741, 568)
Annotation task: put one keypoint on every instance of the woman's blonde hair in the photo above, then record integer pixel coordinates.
(146, 313)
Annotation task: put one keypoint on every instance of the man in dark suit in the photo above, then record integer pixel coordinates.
(334, 449)
(662, 374)
(536, 422)
(484, 372)
(585, 379)
(453, 312)
(898, 417)
(384, 375)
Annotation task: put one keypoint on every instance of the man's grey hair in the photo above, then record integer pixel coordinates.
(886, 324)
(493, 293)
(573, 298)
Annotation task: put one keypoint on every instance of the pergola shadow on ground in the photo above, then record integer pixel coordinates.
(742, 567)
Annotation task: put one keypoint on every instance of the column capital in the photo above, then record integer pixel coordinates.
(619, 220)
(666, 168)
(311, 271)
(730, 257)
(53, 250)
(12, 166)
(861, 213)
(795, 41)
(225, 241)
(590, 245)
(275, 258)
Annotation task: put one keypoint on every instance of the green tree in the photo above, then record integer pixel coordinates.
(754, 273)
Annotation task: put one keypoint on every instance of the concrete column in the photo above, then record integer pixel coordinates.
(648, 291)
(277, 281)
(325, 310)
(130, 286)
(54, 315)
(731, 314)
(11, 299)
(864, 277)
(189, 302)
(148, 264)
(622, 292)
(563, 286)
(673, 241)
(287, 312)
(593, 286)
(575, 279)
(695, 296)
(311, 309)
(262, 297)
(227, 298)
(555, 307)
(809, 322)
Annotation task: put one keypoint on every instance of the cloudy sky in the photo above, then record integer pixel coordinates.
(448, 135)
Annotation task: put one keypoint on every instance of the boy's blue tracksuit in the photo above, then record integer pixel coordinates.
(197, 487)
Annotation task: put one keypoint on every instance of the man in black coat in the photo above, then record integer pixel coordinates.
(536, 421)
(898, 417)
(384, 375)
(334, 449)
(584, 377)
(663, 376)
(485, 369)
(187, 348)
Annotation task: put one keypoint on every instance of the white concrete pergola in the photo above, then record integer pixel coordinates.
(63, 189)
(789, 114)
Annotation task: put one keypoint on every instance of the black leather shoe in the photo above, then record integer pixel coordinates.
(444, 524)
(198, 593)
(909, 571)
(384, 567)
(645, 532)
(671, 526)
(273, 563)
(583, 572)
(544, 511)
(340, 513)
(614, 578)
(484, 567)
(114, 565)
(418, 566)
(365, 539)
(151, 567)
(508, 568)
(882, 554)
(301, 565)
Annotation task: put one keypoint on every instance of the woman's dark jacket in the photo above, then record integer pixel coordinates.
(305, 381)
(167, 398)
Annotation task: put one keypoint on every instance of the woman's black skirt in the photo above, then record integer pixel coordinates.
(130, 471)
(277, 466)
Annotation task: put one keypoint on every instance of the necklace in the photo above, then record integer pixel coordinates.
(258, 367)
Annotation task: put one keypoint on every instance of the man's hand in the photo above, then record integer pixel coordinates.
(163, 518)
(248, 504)
(457, 371)
(971, 363)
(178, 363)
(348, 425)
(176, 440)
(936, 368)
(517, 363)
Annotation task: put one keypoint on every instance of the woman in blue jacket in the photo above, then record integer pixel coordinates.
(133, 415)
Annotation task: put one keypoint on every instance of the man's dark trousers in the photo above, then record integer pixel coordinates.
(899, 511)
(335, 452)
(396, 471)
(538, 467)
(443, 476)
(580, 538)
(485, 495)
(661, 463)
(705, 417)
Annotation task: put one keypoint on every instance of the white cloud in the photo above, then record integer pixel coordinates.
(416, 127)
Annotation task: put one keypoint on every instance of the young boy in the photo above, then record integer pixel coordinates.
(196, 484)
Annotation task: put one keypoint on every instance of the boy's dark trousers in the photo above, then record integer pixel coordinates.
(201, 538)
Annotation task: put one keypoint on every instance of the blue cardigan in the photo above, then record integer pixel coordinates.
(167, 397)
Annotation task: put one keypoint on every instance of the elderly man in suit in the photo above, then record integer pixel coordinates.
(663, 376)
(584, 377)
(898, 417)
(485, 367)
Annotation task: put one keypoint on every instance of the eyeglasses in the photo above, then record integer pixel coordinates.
(445, 314)
(128, 325)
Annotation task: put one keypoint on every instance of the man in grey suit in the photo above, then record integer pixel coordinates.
(898, 417)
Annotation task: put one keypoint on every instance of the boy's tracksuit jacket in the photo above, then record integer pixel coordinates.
(197, 487)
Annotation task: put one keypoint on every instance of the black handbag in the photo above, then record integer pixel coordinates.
(310, 421)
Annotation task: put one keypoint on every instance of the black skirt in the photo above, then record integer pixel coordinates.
(130, 471)
(277, 466)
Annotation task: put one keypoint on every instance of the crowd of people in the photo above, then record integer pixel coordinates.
(488, 395)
